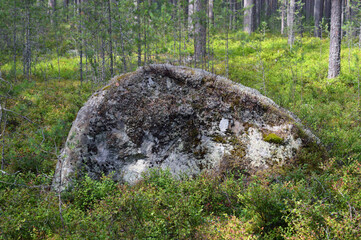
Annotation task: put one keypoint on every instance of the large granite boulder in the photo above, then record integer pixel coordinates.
(186, 120)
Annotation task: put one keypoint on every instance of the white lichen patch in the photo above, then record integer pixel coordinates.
(262, 154)
(223, 124)
(133, 172)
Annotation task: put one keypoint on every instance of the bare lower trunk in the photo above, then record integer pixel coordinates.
(327, 11)
(318, 13)
(334, 66)
(81, 47)
(283, 16)
(200, 32)
(190, 16)
(359, 39)
(139, 35)
(290, 20)
(110, 37)
(210, 11)
(248, 16)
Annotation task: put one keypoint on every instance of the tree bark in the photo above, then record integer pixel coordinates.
(283, 15)
(210, 11)
(110, 37)
(139, 43)
(200, 31)
(290, 21)
(190, 15)
(248, 16)
(334, 66)
(327, 12)
(52, 4)
(318, 13)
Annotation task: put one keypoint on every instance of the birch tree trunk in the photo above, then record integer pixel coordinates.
(334, 66)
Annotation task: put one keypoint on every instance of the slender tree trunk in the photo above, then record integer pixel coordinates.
(110, 37)
(81, 45)
(327, 12)
(190, 15)
(27, 54)
(52, 5)
(291, 20)
(318, 13)
(200, 31)
(139, 34)
(334, 66)
(256, 14)
(14, 39)
(123, 49)
(359, 39)
(283, 16)
(248, 16)
(210, 11)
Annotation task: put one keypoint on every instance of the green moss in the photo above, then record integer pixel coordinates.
(107, 87)
(273, 138)
(219, 139)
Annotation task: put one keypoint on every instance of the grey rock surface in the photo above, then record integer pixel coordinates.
(186, 120)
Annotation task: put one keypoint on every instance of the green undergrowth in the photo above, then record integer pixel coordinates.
(298, 204)
(39, 121)
(205, 207)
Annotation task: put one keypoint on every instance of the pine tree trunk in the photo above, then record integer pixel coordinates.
(327, 12)
(283, 16)
(110, 37)
(334, 66)
(290, 20)
(318, 13)
(190, 15)
(139, 43)
(210, 11)
(359, 39)
(248, 16)
(200, 31)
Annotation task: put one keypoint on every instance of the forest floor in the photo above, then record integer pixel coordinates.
(297, 204)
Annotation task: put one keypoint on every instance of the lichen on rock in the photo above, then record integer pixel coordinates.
(186, 120)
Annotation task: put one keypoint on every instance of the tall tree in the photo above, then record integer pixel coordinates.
(334, 66)
(200, 37)
(327, 12)
(248, 20)
(190, 15)
(210, 11)
(318, 13)
(291, 22)
(110, 36)
(283, 15)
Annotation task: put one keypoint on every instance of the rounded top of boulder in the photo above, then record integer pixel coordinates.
(184, 119)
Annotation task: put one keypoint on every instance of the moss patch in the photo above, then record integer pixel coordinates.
(273, 138)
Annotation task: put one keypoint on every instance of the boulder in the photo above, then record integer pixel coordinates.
(182, 119)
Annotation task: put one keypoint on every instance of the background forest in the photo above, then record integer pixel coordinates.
(55, 54)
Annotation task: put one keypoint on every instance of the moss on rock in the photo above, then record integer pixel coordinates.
(273, 138)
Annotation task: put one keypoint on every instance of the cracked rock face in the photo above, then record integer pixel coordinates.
(182, 119)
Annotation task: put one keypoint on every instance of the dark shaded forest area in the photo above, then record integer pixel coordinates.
(303, 54)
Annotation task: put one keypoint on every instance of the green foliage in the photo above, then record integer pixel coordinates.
(86, 192)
